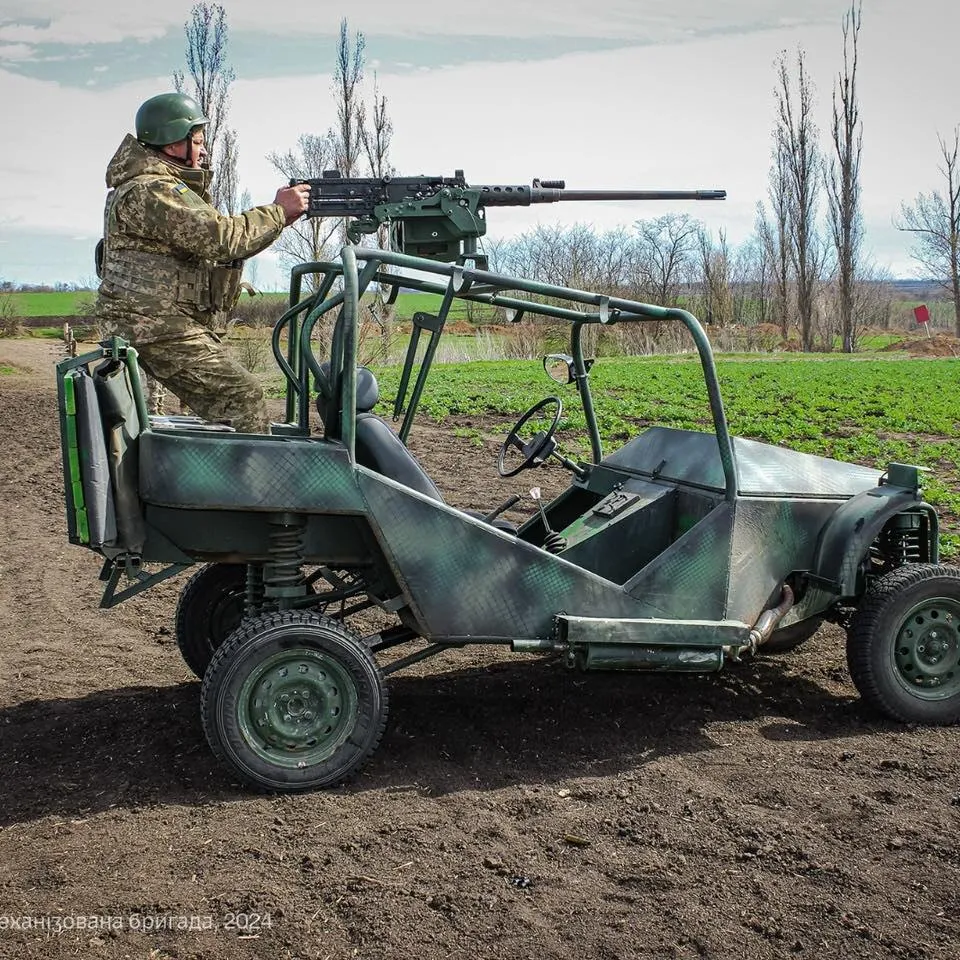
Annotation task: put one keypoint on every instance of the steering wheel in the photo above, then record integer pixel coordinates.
(539, 447)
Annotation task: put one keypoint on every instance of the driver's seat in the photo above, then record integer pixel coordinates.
(378, 448)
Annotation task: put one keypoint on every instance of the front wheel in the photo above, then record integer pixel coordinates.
(903, 646)
(293, 701)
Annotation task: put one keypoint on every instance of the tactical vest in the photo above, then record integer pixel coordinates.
(201, 284)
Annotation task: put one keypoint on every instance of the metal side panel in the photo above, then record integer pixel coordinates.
(771, 539)
(464, 578)
(243, 472)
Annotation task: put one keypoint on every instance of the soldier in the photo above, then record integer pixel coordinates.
(171, 263)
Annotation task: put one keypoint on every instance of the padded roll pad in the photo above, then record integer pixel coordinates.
(121, 423)
(94, 464)
(368, 390)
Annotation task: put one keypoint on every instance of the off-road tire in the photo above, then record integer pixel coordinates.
(908, 627)
(789, 638)
(293, 701)
(210, 608)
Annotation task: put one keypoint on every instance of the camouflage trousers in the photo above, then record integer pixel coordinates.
(196, 367)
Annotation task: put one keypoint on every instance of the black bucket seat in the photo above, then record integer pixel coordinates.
(377, 446)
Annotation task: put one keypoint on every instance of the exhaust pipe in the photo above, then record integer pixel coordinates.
(767, 623)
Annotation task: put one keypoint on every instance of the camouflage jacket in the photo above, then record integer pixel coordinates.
(170, 258)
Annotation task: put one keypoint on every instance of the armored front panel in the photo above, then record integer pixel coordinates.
(466, 579)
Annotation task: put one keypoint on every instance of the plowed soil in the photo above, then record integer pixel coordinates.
(513, 809)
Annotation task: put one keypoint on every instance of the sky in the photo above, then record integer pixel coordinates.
(629, 94)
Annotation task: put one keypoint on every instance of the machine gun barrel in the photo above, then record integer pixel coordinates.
(552, 191)
(442, 218)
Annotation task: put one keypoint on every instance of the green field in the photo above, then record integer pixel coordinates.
(66, 304)
(870, 411)
(79, 302)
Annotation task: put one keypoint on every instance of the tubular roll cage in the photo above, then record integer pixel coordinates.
(300, 364)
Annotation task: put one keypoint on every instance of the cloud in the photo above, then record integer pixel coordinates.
(107, 21)
(16, 51)
(59, 21)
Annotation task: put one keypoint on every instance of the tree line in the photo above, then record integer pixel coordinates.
(803, 269)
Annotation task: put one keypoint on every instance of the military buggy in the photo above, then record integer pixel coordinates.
(680, 551)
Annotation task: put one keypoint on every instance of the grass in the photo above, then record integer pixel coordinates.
(74, 303)
(52, 304)
(56, 333)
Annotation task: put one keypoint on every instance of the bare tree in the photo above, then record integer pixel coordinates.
(211, 76)
(228, 188)
(307, 240)
(775, 236)
(843, 179)
(751, 283)
(376, 135)
(797, 145)
(935, 222)
(665, 249)
(875, 296)
(347, 77)
(715, 269)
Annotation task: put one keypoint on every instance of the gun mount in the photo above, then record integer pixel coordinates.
(440, 218)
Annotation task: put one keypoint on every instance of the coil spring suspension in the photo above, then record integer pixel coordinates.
(283, 575)
(903, 540)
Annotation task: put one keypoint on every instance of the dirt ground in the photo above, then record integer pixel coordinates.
(936, 345)
(514, 809)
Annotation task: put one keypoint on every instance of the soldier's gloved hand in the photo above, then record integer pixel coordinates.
(293, 200)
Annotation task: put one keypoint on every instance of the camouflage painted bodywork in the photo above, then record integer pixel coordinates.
(724, 568)
(676, 543)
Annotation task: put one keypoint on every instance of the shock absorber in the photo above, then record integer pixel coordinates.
(253, 600)
(283, 577)
(902, 539)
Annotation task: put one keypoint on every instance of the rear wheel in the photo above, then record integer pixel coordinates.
(293, 701)
(903, 647)
(210, 608)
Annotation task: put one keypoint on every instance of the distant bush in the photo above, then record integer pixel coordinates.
(11, 323)
(259, 311)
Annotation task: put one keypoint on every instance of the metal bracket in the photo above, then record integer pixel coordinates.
(112, 570)
(604, 309)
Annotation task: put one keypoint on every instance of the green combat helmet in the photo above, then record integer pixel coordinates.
(167, 118)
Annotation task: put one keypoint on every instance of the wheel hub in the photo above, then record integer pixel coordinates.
(927, 651)
(298, 707)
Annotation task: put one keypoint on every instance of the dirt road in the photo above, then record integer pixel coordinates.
(514, 809)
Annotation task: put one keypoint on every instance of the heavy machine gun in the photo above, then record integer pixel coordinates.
(440, 218)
